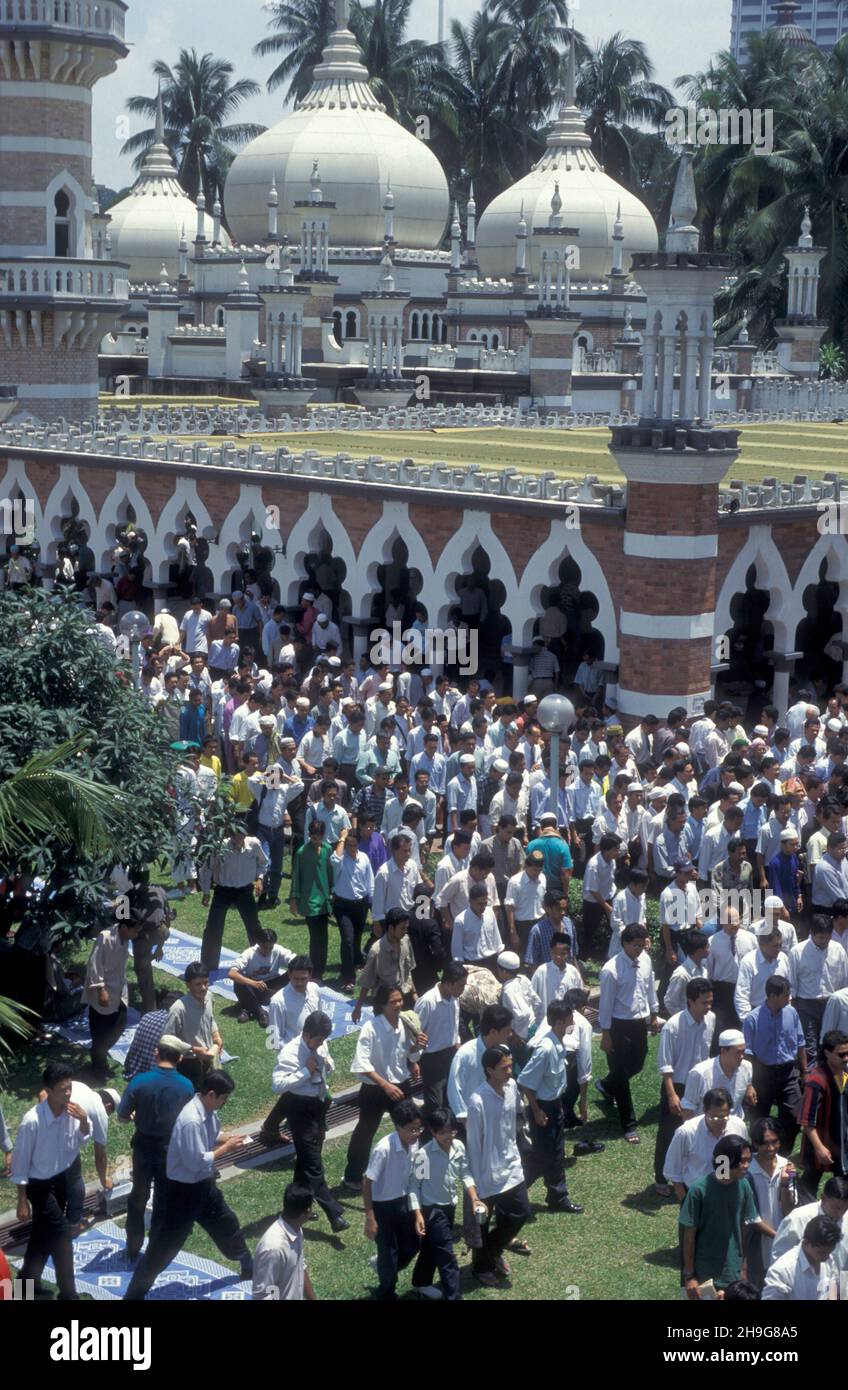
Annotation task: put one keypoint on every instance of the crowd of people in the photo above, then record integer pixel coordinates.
(477, 894)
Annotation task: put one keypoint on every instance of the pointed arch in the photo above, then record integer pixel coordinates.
(15, 479)
(184, 499)
(394, 524)
(303, 539)
(247, 515)
(542, 572)
(476, 530)
(833, 549)
(113, 514)
(785, 608)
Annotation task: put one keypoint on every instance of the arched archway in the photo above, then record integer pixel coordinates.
(750, 640)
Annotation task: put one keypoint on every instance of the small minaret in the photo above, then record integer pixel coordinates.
(618, 245)
(273, 206)
(315, 230)
(242, 321)
(456, 239)
(389, 211)
(183, 262)
(673, 463)
(216, 219)
(384, 320)
(163, 316)
(519, 283)
(200, 242)
(799, 335)
(552, 324)
(471, 218)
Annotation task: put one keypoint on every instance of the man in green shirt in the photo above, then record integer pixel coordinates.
(713, 1218)
(311, 894)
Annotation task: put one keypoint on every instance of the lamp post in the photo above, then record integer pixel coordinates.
(556, 715)
(133, 626)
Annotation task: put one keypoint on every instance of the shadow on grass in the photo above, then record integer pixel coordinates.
(669, 1258)
(648, 1202)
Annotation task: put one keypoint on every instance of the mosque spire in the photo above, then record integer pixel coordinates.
(159, 127)
(806, 238)
(682, 234)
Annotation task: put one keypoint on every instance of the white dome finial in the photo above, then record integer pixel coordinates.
(164, 282)
(805, 239)
(555, 219)
(273, 195)
(389, 197)
(244, 279)
(315, 183)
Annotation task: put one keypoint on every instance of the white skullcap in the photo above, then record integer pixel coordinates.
(731, 1037)
(500, 765)
(508, 960)
(635, 787)
(787, 834)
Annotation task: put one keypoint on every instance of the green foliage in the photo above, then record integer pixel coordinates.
(63, 694)
(832, 363)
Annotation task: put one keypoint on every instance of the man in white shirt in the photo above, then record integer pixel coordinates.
(389, 1221)
(386, 1062)
(729, 1070)
(833, 1203)
(808, 1272)
(727, 948)
(438, 1014)
(552, 979)
(46, 1170)
(466, 1072)
(495, 1164)
(300, 1077)
(628, 906)
(684, 1042)
(279, 1268)
(628, 1011)
(191, 1192)
(693, 967)
(756, 967)
(523, 902)
(475, 937)
(257, 974)
(690, 1153)
(817, 969)
(194, 627)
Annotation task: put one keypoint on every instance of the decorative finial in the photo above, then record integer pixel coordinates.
(571, 71)
(159, 128)
(183, 240)
(555, 219)
(342, 13)
(522, 221)
(273, 195)
(743, 331)
(389, 198)
(315, 183)
(472, 205)
(682, 234)
(201, 201)
(387, 279)
(805, 239)
(628, 333)
(456, 226)
(164, 282)
(244, 279)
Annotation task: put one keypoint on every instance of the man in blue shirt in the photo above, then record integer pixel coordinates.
(539, 941)
(774, 1040)
(543, 1081)
(153, 1099)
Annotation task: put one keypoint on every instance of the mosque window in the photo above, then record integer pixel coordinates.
(425, 325)
(220, 316)
(351, 324)
(413, 326)
(337, 326)
(62, 227)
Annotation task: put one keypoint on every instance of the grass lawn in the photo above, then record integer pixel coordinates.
(623, 1247)
(770, 450)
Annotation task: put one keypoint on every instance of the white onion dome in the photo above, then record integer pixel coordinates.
(590, 202)
(147, 225)
(359, 148)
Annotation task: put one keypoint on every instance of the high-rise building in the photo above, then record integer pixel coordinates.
(822, 21)
(60, 292)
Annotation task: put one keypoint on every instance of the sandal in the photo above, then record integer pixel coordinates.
(632, 1137)
(519, 1247)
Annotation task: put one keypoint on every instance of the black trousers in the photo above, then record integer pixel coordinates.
(571, 1094)
(317, 927)
(397, 1243)
(243, 900)
(307, 1118)
(51, 1230)
(351, 918)
(546, 1158)
(724, 1010)
(373, 1105)
(148, 1170)
(435, 1067)
(780, 1086)
(252, 1000)
(811, 1013)
(105, 1030)
(630, 1048)
(666, 1127)
(143, 949)
(273, 841)
(595, 933)
(186, 1203)
(508, 1212)
(437, 1252)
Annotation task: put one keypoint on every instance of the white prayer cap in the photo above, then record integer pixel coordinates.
(426, 670)
(467, 758)
(530, 700)
(549, 818)
(735, 787)
(731, 1037)
(682, 749)
(163, 609)
(384, 685)
(834, 725)
(508, 960)
(268, 720)
(760, 731)
(308, 598)
(635, 787)
(335, 661)
(302, 702)
(787, 834)
(500, 765)
(658, 794)
(465, 730)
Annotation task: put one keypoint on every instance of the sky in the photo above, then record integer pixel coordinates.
(680, 37)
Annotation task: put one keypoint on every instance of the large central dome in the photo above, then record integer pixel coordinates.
(359, 150)
(590, 199)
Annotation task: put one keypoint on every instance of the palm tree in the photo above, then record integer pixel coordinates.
(399, 68)
(615, 89)
(14, 1020)
(199, 100)
(42, 799)
(531, 62)
(474, 133)
(304, 28)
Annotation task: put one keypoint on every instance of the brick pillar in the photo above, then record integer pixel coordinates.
(551, 347)
(670, 548)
